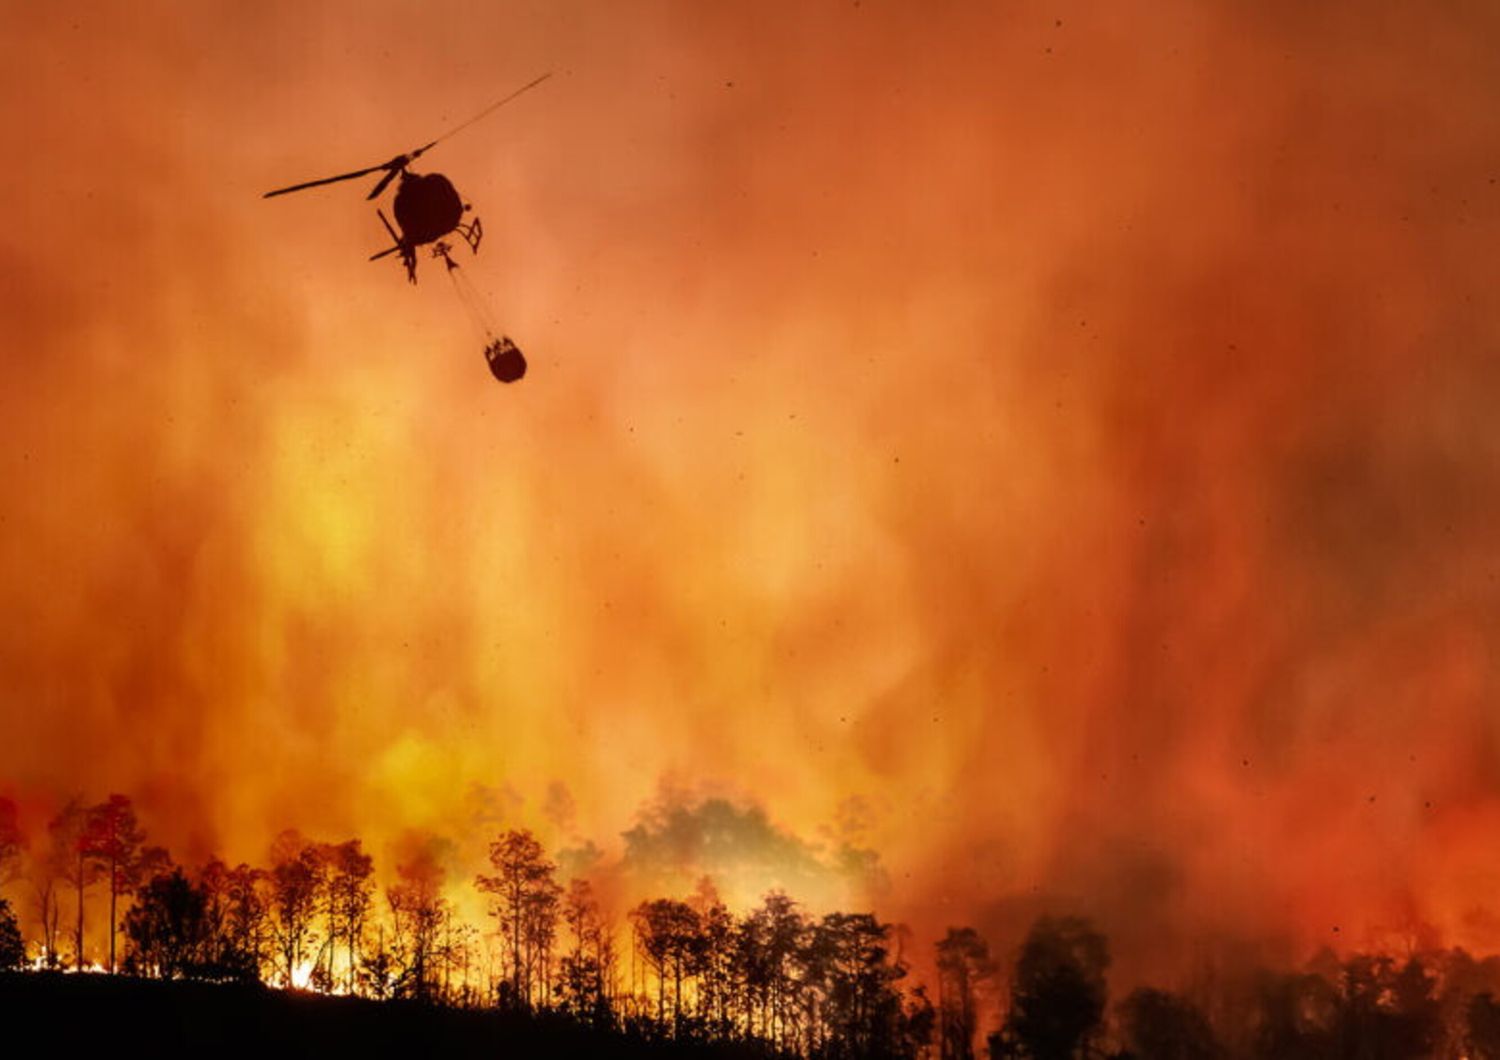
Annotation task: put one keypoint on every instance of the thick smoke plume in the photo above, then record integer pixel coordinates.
(1049, 444)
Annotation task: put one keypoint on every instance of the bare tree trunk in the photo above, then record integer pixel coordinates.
(351, 927)
(447, 957)
(515, 942)
(46, 896)
(113, 876)
(78, 938)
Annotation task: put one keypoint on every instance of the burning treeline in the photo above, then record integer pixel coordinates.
(1087, 456)
(772, 978)
(1069, 431)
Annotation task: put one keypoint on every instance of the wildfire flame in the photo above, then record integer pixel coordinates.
(1054, 452)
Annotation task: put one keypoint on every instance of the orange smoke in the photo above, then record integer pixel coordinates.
(1051, 447)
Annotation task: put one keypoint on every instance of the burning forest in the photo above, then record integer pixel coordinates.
(774, 979)
(990, 545)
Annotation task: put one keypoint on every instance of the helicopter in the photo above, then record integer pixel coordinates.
(427, 206)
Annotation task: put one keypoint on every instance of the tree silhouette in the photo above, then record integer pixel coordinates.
(583, 973)
(168, 928)
(48, 866)
(1416, 1023)
(12, 948)
(963, 961)
(1058, 993)
(12, 842)
(1296, 1017)
(377, 966)
(294, 879)
(524, 905)
(68, 833)
(420, 915)
(114, 840)
(771, 941)
(538, 933)
(348, 870)
(772, 983)
(667, 932)
(235, 913)
(247, 915)
(918, 1024)
(848, 966)
(1482, 1027)
(714, 960)
(1384, 1012)
(1157, 1025)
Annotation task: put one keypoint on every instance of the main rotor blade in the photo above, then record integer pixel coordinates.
(390, 175)
(484, 113)
(325, 180)
(398, 163)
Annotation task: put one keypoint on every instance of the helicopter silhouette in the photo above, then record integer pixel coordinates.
(427, 206)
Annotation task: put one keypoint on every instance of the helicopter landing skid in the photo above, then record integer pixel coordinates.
(472, 233)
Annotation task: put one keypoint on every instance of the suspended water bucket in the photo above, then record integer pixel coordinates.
(506, 362)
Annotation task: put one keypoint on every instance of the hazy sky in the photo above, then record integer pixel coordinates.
(1049, 444)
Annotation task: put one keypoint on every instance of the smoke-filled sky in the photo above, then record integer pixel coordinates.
(1047, 444)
